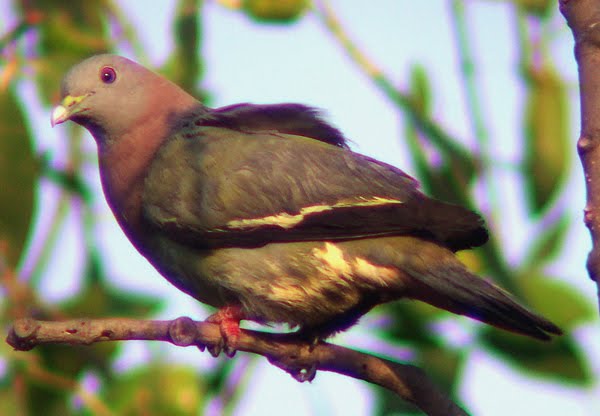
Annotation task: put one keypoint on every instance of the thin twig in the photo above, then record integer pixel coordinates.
(286, 351)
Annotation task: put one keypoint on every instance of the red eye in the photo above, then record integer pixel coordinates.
(108, 75)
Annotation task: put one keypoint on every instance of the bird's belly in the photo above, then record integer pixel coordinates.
(299, 283)
(183, 267)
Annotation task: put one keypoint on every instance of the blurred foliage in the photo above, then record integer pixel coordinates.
(540, 8)
(536, 8)
(187, 33)
(68, 33)
(275, 11)
(18, 176)
(157, 389)
(559, 360)
(547, 152)
(49, 380)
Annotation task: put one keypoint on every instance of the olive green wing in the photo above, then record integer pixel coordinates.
(217, 187)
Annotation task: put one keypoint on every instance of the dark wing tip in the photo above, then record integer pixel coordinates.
(542, 329)
(452, 225)
(551, 328)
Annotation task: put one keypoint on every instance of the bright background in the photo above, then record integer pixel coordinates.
(248, 62)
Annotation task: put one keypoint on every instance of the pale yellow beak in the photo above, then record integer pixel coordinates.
(67, 108)
(59, 115)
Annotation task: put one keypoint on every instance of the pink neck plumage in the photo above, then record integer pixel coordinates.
(124, 162)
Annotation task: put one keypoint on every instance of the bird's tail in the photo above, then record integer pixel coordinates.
(457, 290)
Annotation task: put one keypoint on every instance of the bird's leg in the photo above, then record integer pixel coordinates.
(228, 318)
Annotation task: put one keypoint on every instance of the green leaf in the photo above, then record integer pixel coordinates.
(389, 404)
(560, 360)
(443, 364)
(541, 8)
(46, 399)
(68, 33)
(217, 378)
(275, 11)
(72, 360)
(548, 243)
(420, 89)
(158, 389)
(556, 300)
(548, 145)
(9, 403)
(451, 179)
(445, 168)
(184, 67)
(411, 322)
(420, 95)
(18, 176)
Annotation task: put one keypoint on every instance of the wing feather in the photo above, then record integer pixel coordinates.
(218, 187)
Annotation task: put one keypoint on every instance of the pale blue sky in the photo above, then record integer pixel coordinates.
(247, 62)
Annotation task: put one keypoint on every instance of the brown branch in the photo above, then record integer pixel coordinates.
(583, 17)
(286, 351)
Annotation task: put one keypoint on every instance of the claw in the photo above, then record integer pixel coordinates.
(215, 349)
(228, 318)
(229, 351)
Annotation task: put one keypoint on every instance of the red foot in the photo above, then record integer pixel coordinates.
(228, 318)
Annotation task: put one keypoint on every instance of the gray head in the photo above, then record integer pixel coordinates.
(109, 94)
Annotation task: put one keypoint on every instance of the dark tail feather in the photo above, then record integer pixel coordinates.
(461, 292)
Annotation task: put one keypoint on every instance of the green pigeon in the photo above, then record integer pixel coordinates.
(263, 211)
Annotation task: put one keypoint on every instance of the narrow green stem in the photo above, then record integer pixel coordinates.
(474, 105)
(494, 258)
(467, 66)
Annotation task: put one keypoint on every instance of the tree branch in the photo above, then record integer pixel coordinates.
(583, 17)
(286, 351)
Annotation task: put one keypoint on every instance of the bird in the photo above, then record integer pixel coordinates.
(265, 213)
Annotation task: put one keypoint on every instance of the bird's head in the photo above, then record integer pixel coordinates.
(109, 94)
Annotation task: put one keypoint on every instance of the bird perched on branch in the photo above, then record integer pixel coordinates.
(263, 212)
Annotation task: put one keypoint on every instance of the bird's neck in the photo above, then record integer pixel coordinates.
(124, 162)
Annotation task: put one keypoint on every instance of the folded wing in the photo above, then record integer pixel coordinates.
(215, 187)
